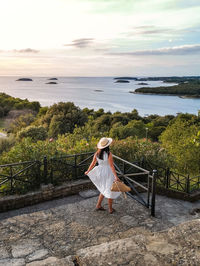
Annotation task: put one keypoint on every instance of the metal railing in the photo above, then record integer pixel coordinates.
(19, 177)
(139, 180)
(26, 176)
(172, 180)
(141, 177)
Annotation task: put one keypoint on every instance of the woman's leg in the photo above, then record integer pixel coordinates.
(110, 201)
(100, 199)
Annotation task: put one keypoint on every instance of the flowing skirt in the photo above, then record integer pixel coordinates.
(103, 178)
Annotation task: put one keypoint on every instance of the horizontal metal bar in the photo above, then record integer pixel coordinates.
(138, 184)
(135, 174)
(21, 163)
(85, 160)
(134, 165)
(6, 180)
(29, 166)
(72, 155)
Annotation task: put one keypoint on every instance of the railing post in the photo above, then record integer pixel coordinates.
(188, 184)
(75, 165)
(45, 168)
(38, 163)
(149, 189)
(167, 177)
(11, 179)
(153, 191)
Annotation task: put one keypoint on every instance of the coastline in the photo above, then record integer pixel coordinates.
(165, 94)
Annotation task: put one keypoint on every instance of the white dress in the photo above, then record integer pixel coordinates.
(103, 177)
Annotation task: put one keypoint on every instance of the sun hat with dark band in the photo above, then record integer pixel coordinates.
(104, 142)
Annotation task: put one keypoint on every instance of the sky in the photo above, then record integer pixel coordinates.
(99, 37)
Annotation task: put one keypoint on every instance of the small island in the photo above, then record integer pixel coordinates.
(52, 82)
(98, 90)
(127, 78)
(24, 79)
(142, 83)
(52, 79)
(122, 81)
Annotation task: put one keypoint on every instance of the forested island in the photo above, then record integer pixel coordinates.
(172, 79)
(186, 88)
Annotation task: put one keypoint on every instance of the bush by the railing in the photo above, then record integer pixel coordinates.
(130, 149)
(134, 150)
(6, 143)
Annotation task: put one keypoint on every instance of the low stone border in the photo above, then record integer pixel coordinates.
(46, 192)
(192, 197)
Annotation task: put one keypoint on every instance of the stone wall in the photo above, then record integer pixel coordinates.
(178, 194)
(46, 192)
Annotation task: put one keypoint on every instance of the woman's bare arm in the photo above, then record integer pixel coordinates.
(110, 159)
(92, 164)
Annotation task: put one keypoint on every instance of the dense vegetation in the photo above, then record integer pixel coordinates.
(8, 103)
(190, 88)
(167, 141)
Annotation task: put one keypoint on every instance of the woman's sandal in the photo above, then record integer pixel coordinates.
(100, 209)
(113, 210)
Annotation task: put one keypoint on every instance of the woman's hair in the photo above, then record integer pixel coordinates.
(106, 149)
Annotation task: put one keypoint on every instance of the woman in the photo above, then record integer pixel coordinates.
(104, 174)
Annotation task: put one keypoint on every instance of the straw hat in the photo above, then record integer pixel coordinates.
(104, 142)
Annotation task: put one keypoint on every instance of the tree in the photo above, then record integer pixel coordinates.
(62, 118)
(177, 139)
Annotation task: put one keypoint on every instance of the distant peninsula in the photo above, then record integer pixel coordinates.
(172, 79)
(24, 79)
(186, 89)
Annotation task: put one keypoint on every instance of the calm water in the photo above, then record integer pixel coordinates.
(113, 97)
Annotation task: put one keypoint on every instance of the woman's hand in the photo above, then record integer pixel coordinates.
(86, 172)
(117, 179)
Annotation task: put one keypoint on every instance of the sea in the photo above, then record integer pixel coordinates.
(98, 92)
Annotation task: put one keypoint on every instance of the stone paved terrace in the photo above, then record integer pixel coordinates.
(68, 231)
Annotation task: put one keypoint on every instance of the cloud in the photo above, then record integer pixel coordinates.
(154, 30)
(176, 50)
(27, 50)
(81, 43)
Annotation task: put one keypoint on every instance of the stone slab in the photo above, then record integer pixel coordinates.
(89, 193)
(12, 262)
(24, 247)
(37, 255)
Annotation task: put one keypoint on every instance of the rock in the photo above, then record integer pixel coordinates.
(12, 262)
(99, 90)
(24, 248)
(122, 81)
(129, 220)
(53, 79)
(24, 79)
(89, 193)
(3, 253)
(52, 82)
(117, 252)
(38, 255)
(52, 261)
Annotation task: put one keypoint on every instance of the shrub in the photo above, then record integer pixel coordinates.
(35, 133)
